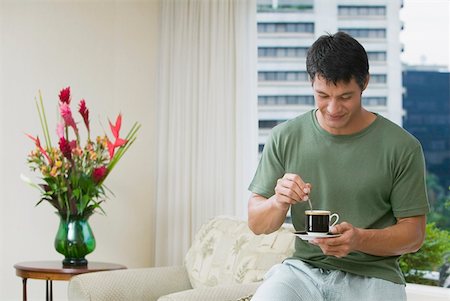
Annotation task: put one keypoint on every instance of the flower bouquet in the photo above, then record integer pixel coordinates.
(73, 174)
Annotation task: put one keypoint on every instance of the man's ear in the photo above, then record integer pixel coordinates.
(366, 82)
(311, 80)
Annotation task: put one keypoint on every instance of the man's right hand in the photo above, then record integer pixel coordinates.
(267, 215)
(290, 190)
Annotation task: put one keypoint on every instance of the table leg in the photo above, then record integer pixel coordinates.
(48, 290)
(24, 289)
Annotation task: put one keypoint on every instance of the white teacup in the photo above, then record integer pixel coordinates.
(317, 222)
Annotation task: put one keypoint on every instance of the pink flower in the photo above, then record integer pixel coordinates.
(84, 113)
(60, 130)
(65, 148)
(115, 129)
(64, 95)
(66, 114)
(99, 173)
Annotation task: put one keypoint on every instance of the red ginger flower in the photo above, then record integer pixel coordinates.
(65, 148)
(39, 146)
(99, 173)
(64, 95)
(84, 113)
(118, 141)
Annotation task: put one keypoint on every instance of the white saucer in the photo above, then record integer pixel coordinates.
(305, 236)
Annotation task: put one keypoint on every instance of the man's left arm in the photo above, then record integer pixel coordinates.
(406, 236)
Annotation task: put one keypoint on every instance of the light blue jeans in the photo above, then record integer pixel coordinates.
(294, 280)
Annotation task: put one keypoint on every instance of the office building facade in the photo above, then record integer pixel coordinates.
(427, 116)
(286, 28)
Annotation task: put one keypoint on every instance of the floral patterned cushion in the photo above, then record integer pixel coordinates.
(225, 251)
(246, 298)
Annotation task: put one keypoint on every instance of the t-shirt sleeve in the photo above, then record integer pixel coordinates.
(270, 167)
(409, 194)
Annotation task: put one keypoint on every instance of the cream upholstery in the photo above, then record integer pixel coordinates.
(131, 284)
(226, 252)
(225, 262)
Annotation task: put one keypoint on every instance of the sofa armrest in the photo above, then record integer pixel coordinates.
(132, 284)
(216, 293)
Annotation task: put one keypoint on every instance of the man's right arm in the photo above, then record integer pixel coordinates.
(266, 215)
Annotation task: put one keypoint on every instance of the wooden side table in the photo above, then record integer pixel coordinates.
(54, 270)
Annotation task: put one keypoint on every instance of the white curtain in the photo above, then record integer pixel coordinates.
(207, 124)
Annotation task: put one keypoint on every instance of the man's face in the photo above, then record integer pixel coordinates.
(340, 111)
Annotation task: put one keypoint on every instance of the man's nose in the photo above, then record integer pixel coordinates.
(333, 107)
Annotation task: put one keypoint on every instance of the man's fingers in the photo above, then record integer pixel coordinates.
(332, 247)
(340, 228)
(295, 178)
(307, 188)
(297, 185)
(290, 196)
(288, 188)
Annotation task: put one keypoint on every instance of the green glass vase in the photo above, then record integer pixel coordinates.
(74, 240)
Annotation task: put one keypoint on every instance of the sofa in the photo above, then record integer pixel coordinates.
(225, 262)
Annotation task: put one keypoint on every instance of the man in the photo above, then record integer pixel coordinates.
(349, 161)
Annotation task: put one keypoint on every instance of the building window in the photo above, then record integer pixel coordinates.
(363, 11)
(281, 6)
(268, 124)
(378, 78)
(286, 100)
(287, 76)
(438, 145)
(366, 33)
(286, 27)
(374, 101)
(282, 52)
(260, 148)
(377, 56)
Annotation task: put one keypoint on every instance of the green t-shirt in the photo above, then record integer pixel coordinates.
(369, 178)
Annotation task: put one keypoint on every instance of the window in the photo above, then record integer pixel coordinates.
(260, 147)
(366, 33)
(286, 27)
(363, 11)
(438, 145)
(286, 99)
(286, 76)
(377, 56)
(374, 100)
(378, 78)
(282, 52)
(268, 124)
(283, 6)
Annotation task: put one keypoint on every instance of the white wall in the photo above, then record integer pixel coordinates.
(106, 52)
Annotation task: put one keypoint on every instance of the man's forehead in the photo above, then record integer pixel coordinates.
(324, 86)
(328, 82)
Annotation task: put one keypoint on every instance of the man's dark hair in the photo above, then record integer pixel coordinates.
(338, 57)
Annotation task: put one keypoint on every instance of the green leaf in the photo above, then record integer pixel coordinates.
(428, 258)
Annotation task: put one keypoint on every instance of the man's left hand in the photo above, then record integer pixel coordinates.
(340, 246)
